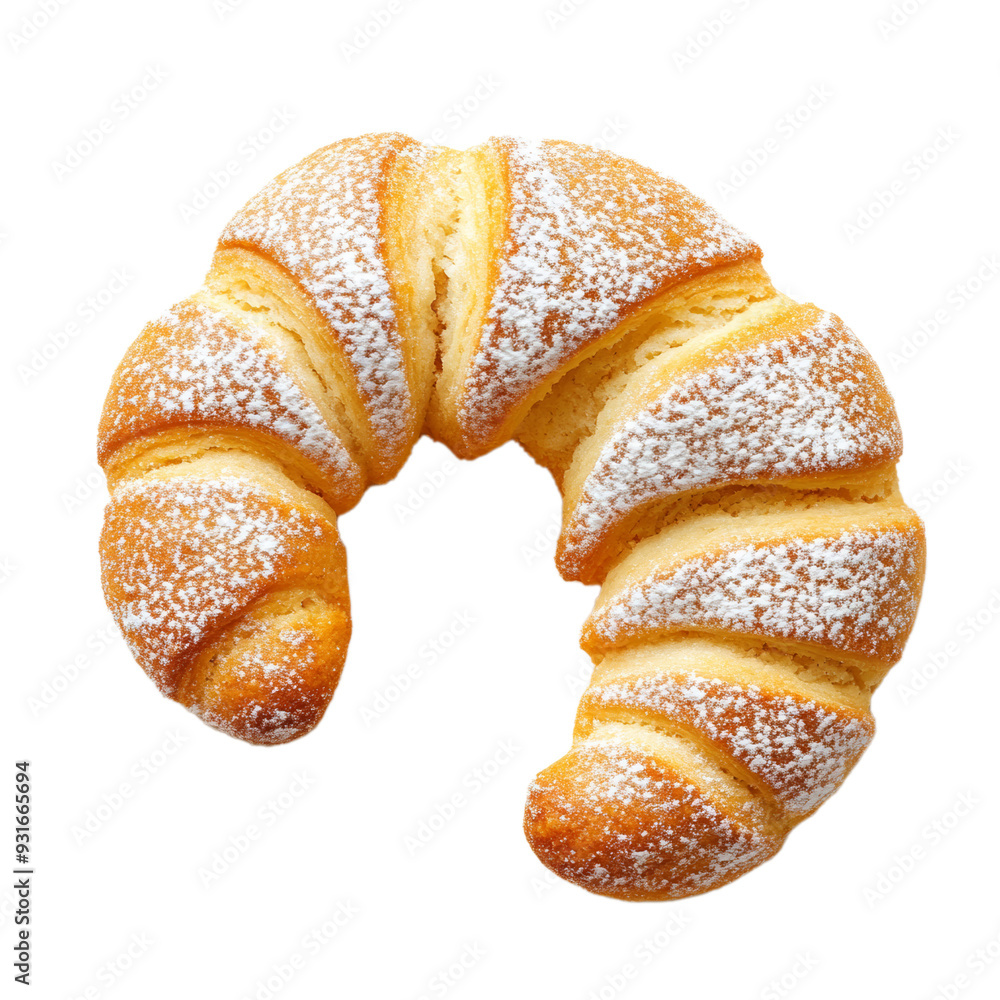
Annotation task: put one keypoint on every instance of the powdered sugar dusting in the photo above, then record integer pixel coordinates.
(807, 402)
(206, 367)
(591, 236)
(284, 704)
(190, 554)
(322, 220)
(799, 749)
(626, 823)
(265, 723)
(855, 591)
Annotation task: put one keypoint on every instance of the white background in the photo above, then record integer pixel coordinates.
(889, 891)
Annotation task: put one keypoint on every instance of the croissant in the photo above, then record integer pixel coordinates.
(726, 458)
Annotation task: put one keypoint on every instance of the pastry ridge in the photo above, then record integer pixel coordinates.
(581, 253)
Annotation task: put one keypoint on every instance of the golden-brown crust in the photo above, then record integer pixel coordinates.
(792, 737)
(566, 416)
(636, 817)
(188, 554)
(726, 457)
(270, 677)
(201, 369)
(842, 580)
(323, 222)
(588, 239)
(788, 397)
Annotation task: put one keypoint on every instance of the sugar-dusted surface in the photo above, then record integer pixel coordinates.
(191, 553)
(591, 236)
(807, 401)
(322, 220)
(278, 684)
(799, 749)
(268, 724)
(206, 570)
(618, 821)
(856, 591)
(198, 365)
(275, 679)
